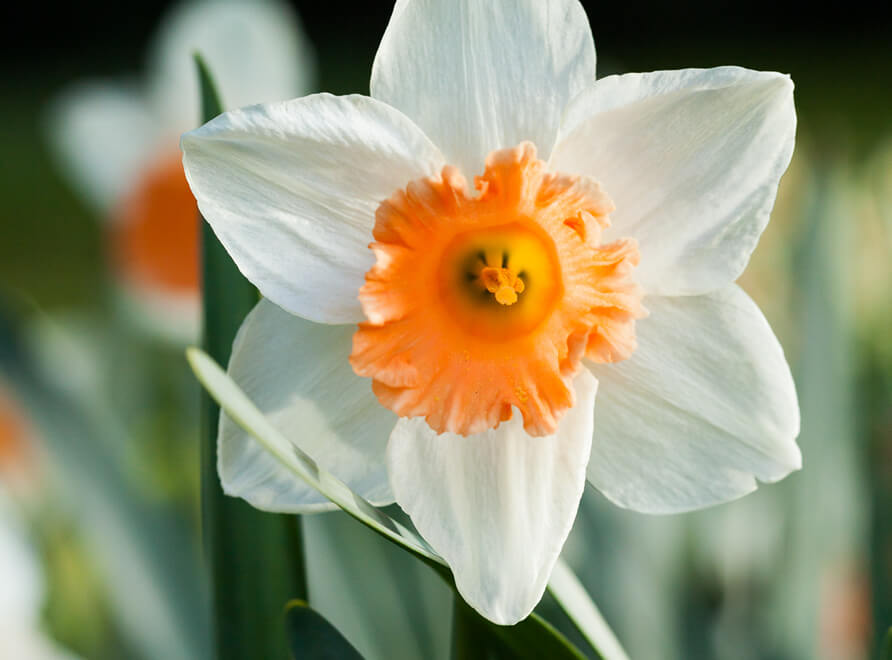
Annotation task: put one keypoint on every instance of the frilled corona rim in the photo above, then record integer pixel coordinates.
(480, 303)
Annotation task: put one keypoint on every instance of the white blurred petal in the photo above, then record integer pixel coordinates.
(170, 316)
(103, 135)
(291, 191)
(22, 591)
(30, 644)
(256, 51)
(297, 373)
(497, 506)
(479, 75)
(704, 407)
(21, 596)
(692, 160)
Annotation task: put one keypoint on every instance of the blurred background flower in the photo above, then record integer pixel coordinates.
(23, 594)
(117, 141)
(106, 485)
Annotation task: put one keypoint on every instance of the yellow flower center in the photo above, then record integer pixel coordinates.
(482, 303)
(483, 273)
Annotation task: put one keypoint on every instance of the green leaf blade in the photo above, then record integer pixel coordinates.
(575, 601)
(255, 559)
(244, 413)
(532, 639)
(312, 637)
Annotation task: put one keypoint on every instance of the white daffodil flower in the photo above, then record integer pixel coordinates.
(117, 143)
(489, 314)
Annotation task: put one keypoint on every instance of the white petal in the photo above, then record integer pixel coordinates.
(704, 407)
(291, 191)
(297, 373)
(691, 159)
(256, 51)
(479, 75)
(103, 135)
(496, 506)
(23, 584)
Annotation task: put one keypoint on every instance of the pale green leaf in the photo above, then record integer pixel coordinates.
(312, 637)
(575, 601)
(244, 413)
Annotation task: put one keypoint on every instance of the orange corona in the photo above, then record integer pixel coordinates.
(478, 303)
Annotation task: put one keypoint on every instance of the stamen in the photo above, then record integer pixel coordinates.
(502, 282)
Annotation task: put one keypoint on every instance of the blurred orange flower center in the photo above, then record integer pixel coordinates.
(13, 434)
(155, 234)
(479, 303)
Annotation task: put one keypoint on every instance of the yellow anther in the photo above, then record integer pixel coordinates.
(503, 283)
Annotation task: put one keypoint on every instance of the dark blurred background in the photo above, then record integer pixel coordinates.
(839, 57)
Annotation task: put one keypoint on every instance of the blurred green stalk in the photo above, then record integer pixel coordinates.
(255, 559)
(471, 640)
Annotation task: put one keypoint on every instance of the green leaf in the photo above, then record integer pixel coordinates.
(471, 638)
(531, 638)
(255, 558)
(244, 413)
(575, 601)
(534, 638)
(312, 637)
(385, 601)
(475, 638)
(886, 653)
